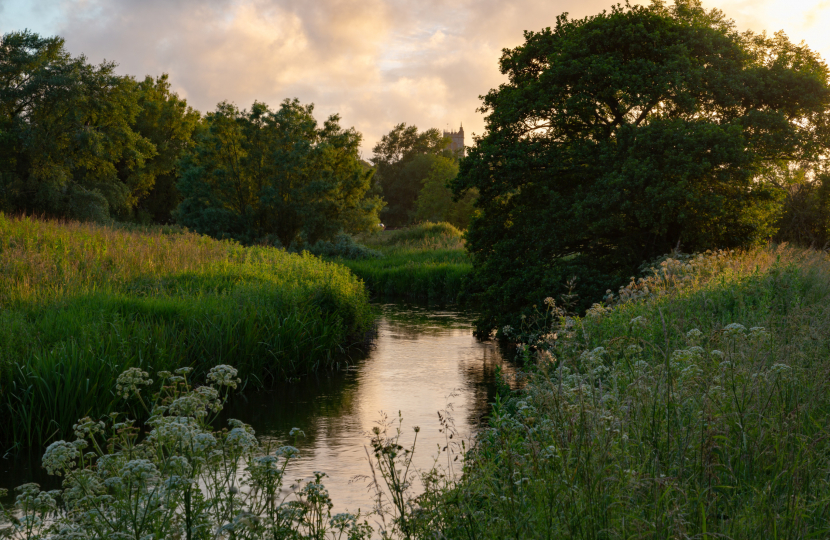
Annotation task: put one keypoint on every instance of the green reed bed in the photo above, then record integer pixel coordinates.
(696, 405)
(425, 262)
(81, 303)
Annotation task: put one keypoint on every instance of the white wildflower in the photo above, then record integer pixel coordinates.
(60, 456)
(128, 383)
(224, 375)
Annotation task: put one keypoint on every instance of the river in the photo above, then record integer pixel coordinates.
(423, 361)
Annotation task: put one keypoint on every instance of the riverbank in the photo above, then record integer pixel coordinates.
(696, 405)
(82, 303)
(423, 263)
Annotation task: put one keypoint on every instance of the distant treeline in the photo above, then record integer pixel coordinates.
(79, 141)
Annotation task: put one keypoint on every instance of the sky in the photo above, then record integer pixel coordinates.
(375, 62)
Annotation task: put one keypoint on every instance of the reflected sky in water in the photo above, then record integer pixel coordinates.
(423, 360)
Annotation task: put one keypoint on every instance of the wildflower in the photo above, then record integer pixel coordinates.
(549, 301)
(223, 375)
(60, 456)
(694, 335)
(296, 432)
(138, 470)
(758, 333)
(188, 405)
(287, 452)
(87, 428)
(734, 330)
(128, 382)
(507, 330)
(779, 369)
(241, 438)
(716, 354)
(638, 322)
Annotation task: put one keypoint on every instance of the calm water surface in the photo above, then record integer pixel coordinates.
(423, 360)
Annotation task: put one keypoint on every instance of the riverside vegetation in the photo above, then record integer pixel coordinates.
(425, 262)
(83, 302)
(693, 403)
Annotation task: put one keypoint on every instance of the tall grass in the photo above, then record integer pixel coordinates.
(424, 262)
(698, 406)
(81, 303)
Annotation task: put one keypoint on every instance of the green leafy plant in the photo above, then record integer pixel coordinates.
(175, 478)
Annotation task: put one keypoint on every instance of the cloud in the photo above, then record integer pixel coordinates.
(376, 62)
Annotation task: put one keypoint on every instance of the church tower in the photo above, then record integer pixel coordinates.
(457, 138)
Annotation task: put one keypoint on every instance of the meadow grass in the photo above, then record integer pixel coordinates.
(81, 303)
(696, 405)
(426, 262)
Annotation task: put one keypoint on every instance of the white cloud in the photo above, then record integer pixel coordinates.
(376, 62)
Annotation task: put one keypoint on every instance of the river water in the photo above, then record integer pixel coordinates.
(423, 361)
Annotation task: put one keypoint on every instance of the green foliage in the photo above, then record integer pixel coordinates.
(435, 200)
(404, 159)
(424, 262)
(805, 212)
(81, 303)
(265, 176)
(343, 246)
(168, 123)
(443, 233)
(627, 134)
(696, 408)
(174, 477)
(67, 147)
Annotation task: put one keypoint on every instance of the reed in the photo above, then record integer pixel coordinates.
(81, 303)
(426, 262)
(696, 405)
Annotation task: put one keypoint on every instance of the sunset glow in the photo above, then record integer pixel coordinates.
(375, 62)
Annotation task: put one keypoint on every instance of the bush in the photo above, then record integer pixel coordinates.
(416, 233)
(343, 246)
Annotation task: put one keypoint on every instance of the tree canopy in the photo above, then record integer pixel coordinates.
(79, 141)
(275, 176)
(435, 200)
(67, 147)
(404, 158)
(624, 135)
(168, 123)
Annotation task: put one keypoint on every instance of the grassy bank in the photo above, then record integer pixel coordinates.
(697, 407)
(81, 303)
(425, 262)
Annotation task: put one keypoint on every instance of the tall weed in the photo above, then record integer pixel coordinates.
(81, 303)
(696, 407)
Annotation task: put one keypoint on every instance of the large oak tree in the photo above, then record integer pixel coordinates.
(623, 135)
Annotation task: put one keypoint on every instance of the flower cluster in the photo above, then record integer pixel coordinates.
(223, 375)
(128, 383)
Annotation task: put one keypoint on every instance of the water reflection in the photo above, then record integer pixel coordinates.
(423, 360)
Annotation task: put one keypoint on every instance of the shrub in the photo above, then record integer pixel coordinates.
(343, 246)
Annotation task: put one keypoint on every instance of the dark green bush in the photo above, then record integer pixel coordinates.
(343, 246)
